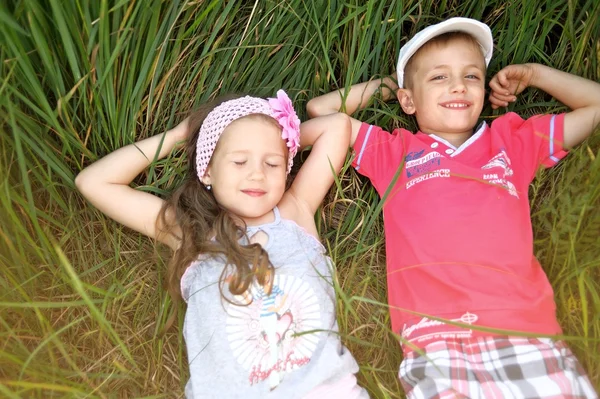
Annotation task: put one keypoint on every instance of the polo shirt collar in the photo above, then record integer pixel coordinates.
(466, 144)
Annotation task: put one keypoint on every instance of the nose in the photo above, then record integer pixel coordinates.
(458, 85)
(257, 171)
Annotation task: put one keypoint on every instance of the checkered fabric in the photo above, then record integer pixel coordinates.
(495, 367)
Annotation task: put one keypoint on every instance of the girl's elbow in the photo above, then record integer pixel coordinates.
(343, 125)
(83, 183)
(80, 181)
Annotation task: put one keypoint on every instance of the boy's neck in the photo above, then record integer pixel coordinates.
(456, 139)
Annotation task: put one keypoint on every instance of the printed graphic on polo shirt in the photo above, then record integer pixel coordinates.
(266, 337)
(428, 329)
(501, 161)
(421, 167)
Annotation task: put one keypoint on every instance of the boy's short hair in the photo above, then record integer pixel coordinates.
(478, 30)
(442, 40)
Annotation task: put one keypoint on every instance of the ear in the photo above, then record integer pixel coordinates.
(405, 98)
(206, 179)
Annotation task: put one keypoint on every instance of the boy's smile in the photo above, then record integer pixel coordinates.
(448, 90)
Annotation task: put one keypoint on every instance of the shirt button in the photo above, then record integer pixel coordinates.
(449, 151)
(434, 144)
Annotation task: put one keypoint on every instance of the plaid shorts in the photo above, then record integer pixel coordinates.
(495, 367)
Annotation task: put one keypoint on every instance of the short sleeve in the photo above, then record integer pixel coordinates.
(539, 139)
(185, 284)
(378, 154)
(548, 132)
(192, 278)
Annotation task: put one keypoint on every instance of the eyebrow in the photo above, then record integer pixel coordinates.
(269, 154)
(448, 66)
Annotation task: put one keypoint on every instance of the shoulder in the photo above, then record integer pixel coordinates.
(368, 129)
(512, 121)
(201, 273)
(375, 138)
(292, 209)
(187, 281)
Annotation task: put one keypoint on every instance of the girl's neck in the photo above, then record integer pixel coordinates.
(252, 222)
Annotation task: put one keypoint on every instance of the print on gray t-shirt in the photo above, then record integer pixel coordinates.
(283, 344)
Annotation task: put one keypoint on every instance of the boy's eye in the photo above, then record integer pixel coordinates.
(471, 76)
(438, 77)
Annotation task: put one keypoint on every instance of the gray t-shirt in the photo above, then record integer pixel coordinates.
(281, 345)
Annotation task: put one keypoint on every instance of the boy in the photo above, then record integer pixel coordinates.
(458, 231)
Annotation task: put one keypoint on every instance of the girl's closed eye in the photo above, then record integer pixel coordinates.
(273, 165)
(239, 162)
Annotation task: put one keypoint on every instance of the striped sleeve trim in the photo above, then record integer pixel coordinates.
(362, 148)
(552, 130)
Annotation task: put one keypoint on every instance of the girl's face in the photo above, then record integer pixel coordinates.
(248, 169)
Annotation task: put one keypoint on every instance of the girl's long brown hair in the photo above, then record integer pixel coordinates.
(209, 229)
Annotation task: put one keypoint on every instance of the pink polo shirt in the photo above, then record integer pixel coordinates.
(459, 241)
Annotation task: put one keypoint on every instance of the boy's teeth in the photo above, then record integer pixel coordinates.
(454, 105)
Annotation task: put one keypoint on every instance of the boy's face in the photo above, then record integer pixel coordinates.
(448, 89)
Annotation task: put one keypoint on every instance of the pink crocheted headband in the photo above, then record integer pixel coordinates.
(280, 109)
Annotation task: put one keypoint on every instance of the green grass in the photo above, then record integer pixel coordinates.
(81, 301)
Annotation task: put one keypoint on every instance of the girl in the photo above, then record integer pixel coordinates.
(260, 319)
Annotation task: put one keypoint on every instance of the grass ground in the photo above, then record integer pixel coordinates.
(82, 307)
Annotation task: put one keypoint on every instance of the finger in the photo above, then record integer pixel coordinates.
(500, 84)
(503, 79)
(504, 97)
(509, 98)
(496, 102)
(495, 85)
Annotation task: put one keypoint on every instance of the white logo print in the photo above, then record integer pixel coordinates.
(500, 160)
(434, 329)
(266, 336)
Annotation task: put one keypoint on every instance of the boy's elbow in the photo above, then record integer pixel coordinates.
(312, 108)
(318, 107)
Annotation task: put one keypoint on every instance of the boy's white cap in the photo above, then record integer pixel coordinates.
(480, 31)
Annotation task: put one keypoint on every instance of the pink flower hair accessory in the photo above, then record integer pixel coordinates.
(221, 116)
(287, 118)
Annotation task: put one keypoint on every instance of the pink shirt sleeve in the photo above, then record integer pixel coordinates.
(378, 154)
(539, 139)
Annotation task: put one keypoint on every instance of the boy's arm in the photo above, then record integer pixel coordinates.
(356, 98)
(581, 95)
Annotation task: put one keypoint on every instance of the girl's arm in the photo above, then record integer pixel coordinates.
(331, 137)
(105, 183)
